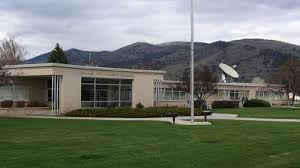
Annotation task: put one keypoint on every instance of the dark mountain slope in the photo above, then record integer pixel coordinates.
(254, 57)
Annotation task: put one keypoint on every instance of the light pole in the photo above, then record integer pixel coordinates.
(192, 64)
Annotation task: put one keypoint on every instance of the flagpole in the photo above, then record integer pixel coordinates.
(192, 64)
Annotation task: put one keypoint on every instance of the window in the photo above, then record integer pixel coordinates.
(263, 94)
(87, 93)
(168, 94)
(233, 94)
(223, 93)
(171, 94)
(100, 92)
(126, 93)
(176, 95)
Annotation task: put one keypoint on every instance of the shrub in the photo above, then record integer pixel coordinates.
(36, 104)
(7, 104)
(130, 112)
(225, 104)
(139, 106)
(257, 103)
(20, 104)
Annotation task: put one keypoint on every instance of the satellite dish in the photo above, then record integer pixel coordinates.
(228, 70)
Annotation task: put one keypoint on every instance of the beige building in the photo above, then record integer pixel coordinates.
(169, 95)
(69, 87)
(73, 87)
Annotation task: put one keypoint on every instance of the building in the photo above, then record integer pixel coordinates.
(64, 88)
(169, 95)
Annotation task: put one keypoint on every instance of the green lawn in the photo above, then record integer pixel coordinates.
(274, 112)
(297, 105)
(39, 143)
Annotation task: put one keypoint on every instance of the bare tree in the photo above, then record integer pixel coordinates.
(290, 76)
(204, 86)
(11, 53)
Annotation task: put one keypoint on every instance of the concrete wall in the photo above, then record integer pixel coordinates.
(70, 91)
(143, 89)
(21, 112)
(31, 72)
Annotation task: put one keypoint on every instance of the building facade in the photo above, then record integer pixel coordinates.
(169, 94)
(64, 88)
(69, 87)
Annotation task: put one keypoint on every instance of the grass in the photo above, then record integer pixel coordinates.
(297, 105)
(113, 144)
(274, 112)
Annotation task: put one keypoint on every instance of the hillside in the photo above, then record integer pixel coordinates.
(254, 57)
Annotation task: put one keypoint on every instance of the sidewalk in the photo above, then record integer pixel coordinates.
(179, 120)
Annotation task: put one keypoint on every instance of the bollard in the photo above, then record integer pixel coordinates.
(174, 117)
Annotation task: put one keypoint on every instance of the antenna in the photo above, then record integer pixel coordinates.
(89, 58)
(228, 71)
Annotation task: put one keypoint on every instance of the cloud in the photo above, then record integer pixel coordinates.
(108, 25)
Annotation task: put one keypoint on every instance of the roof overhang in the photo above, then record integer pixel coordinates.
(55, 65)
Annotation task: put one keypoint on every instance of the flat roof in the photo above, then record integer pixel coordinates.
(171, 82)
(248, 84)
(230, 84)
(56, 65)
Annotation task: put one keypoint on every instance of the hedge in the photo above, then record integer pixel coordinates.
(20, 104)
(225, 104)
(257, 103)
(130, 112)
(6, 104)
(36, 104)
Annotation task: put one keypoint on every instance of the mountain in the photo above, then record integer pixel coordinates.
(253, 57)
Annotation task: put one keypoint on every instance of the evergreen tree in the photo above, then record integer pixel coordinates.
(58, 56)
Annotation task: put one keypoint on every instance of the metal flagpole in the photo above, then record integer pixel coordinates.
(192, 63)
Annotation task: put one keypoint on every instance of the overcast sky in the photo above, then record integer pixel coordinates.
(110, 24)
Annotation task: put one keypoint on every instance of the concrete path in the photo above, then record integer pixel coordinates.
(268, 120)
(179, 120)
(235, 117)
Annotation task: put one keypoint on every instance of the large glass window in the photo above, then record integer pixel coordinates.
(100, 92)
(171, 94)
(263, 94)
(87, 93)
(233, 94)
(126, 93)
(168, 94)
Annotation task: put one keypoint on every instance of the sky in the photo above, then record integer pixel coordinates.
(97, 25)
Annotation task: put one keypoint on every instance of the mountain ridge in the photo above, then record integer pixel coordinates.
(254, 57)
